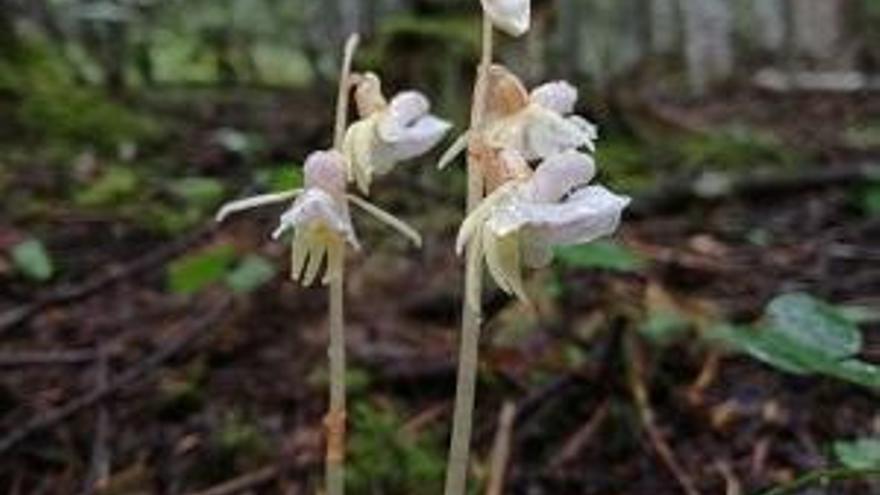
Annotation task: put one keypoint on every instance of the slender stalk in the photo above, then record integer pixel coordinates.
(335, 421)
(465, 393)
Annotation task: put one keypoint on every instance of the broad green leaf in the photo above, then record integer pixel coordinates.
(607, 255)
(662, 327)
(805, 336)
(863, 453)
(201, 192)
(32, 260)
(814, 324)
(194, 272)
(253, 272)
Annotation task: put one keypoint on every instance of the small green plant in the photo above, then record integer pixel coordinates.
(388, 459)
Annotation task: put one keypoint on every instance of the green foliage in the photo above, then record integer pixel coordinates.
(385, 459)
(117, 185)
(662, 327)
(734, 148)
(250, 274)
(51, 106)
(194, 272)
(32, 260)
(869, 199)
(606, 255)
(200, 192)
(805, 336)
(862, 453)
(281, 177)
(624, 163)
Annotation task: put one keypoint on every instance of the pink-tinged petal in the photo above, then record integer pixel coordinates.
(506, 94)
(560, 174)
(368, 95)
(511, 16)
(587, 215)
(405, 109)
(316, 207)
(558, 96)
(418, 138)
(325, 170)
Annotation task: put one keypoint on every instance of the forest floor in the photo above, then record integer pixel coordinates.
(136, 369)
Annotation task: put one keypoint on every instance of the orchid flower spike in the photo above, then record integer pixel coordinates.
(319, 217)
(388, 132)
(522, 220)
(536, 125)
(511, 16)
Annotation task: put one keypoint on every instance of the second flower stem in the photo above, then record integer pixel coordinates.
(465, 392)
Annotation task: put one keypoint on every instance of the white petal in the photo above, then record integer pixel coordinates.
(560, 174)
(418, 138)
(317, 206)
(589, 214)
(254, 202)
(548, 133)
(589, 129)
(326, 170)
(368, 95)
(558, 96)
(511, 16)
(405, 109)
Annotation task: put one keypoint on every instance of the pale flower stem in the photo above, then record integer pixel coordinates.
(465, 393)
(335, 421)
(336, 417)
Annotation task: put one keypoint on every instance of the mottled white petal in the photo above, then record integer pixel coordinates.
(589, 214)
(418, 138)
(457, 148)
(511, 16)
(558, 96)
(368, 95)
(481, 213)
(317, 250)
(588, 128)
(317, 207)
(558, 175)
(387, 219)
(504, 262)
(254, 202)
(360, 140)
(403, 111)
(325, 170)
(548, 133)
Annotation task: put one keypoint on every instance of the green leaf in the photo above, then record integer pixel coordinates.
(116, 185)
(814, 324)
(32, 260)
(606, 255)
(805, 336)
(201, 192)
(252, 273)
(194, 272)
(863, 453)
(871, 199)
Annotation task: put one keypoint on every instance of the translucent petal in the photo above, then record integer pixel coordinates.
(387, 219)
(254, 202)
(506, 94)
(317, 250)
(317, 207)
(511, 16)
(475, 219)
(504, 263)
(298, 253)
(548, 133)
(418, 138)
(368, 95)
(335, 261)
(559, 174)
(493, 260)
(405, 109)
(558, 96)
(457, 148)
(327, 170)
(362, 136)
(588, 128)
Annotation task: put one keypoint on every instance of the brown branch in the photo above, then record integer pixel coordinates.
(581, 437)
(244, 482)
(190, 331)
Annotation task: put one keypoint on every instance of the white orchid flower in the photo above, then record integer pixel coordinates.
(536, 125)
(511, 16)
(523, 219)
(319, 217)
(388, 132)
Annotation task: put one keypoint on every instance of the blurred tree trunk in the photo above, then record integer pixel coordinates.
(708, 26)
(817, 28)
(663, 27)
